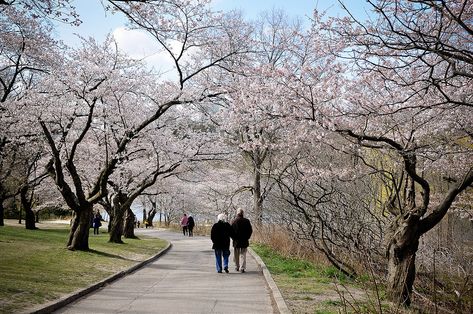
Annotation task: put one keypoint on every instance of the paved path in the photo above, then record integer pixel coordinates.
(184, 280)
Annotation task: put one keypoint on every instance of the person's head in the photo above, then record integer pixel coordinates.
(240, 212)
(221, 217)
(185, 215)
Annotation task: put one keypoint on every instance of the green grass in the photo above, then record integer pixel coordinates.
(36, 267)
(297, 268)
(306, 287)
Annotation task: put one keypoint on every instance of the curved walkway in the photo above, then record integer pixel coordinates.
(184, 280)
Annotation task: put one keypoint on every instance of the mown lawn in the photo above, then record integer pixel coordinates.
(36, 267)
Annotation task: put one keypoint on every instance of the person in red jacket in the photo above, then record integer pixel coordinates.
(184, 224)
(242, 231)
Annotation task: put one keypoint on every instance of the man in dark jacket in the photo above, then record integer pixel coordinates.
(241, 235)
(190, 225)
(220, 236)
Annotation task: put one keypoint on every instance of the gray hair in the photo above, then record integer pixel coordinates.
(221, 217)
(239, 212)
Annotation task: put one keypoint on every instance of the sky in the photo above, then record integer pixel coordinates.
(97, 23)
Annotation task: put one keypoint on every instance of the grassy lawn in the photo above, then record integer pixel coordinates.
(309, 288)
(36, 267)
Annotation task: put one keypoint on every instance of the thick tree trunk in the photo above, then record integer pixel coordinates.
(2, 213)
(257, 197)
(151, 215)
(111, 216)
(129, 227)
(30, 219)
(116, 228)
(401, 253)
(79, 234)
(107, 206)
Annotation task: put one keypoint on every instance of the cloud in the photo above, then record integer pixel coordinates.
(140, 45)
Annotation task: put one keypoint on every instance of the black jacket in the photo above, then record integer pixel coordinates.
(190, 222)
(220, 235)
(241, 232)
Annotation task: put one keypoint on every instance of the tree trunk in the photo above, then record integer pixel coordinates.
(79, 234)
(257, 197)
(129, 227)
(116, 227)
(144, 215)
(30, 219)
(401, 252)
(2, 213)
(151, 215)
(111, 216)
(107, 206)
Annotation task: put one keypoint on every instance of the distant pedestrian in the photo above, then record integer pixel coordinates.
(190, 225)
(220, 235)
(96, 223)
(242, 231)
(184, 224)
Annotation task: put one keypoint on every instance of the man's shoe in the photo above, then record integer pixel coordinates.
(219, 272)
(226, 269)
(237, 269)
(242, 271)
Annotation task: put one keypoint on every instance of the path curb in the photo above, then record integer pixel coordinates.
(276, 294)
(57, 304)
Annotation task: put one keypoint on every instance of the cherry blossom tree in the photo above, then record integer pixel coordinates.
(165, 145)
(246, 119)
(416, 66)
(28, 52)
(404, 109)
(88, 94)
(94, 82)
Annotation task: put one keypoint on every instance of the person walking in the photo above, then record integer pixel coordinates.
(190, 225)
(242, 231)
(220, 235)
(184, 224)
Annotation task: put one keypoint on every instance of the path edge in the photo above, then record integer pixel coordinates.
(69, 298)
(276, 293)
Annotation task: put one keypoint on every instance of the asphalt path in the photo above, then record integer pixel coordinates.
(184, 280)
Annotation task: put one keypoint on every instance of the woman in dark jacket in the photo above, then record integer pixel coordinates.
(220, 235)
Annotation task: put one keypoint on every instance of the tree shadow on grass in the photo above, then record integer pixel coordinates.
(111, 255)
